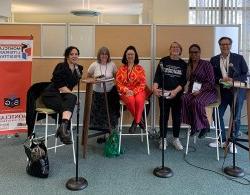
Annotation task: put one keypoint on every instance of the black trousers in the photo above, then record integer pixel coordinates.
(175, 106)
(60, 102)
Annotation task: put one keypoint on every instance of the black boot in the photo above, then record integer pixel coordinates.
(63, 133)
(132, 129)
(203, 133)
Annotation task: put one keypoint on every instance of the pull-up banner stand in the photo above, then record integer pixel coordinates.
(15, 80)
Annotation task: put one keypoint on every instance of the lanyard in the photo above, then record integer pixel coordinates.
(225, 63)
(105, 70)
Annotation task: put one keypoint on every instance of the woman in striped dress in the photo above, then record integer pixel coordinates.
(201, 92)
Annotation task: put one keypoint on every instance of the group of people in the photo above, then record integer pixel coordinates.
(201, 77)
(173, 75)
(171, 78)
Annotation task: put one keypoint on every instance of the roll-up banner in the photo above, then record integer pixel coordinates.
(15, 80)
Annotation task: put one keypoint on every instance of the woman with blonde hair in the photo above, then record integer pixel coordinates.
(106, 69)
(170, 76)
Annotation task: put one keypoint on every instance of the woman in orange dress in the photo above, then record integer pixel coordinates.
(131, 85)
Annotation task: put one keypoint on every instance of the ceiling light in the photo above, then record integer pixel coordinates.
(85, 11)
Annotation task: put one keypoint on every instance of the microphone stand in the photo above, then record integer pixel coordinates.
(163, 172)
(77, 183)
(233, 170)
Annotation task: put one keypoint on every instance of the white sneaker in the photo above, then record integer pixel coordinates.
(177, 144)
(231, 148)
(214, 145)
(164, 145)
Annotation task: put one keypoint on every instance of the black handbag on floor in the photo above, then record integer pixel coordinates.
(38, 162)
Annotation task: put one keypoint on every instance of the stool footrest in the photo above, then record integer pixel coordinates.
(133, 134)
(211, 137)
(57, 146)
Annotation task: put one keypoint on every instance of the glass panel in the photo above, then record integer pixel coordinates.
(83, 38)
(53, 40)
(147, 67)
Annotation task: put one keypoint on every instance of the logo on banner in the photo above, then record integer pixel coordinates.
(12, 102)
(15, 51)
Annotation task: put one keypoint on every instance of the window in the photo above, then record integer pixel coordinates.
(224, 12)
(215, 11)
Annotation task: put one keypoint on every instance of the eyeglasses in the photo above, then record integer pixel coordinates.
(194, 52)
(175, 47)
(225, 44)
(130, 54)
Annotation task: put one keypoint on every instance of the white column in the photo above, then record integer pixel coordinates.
(5, 10)
(246, 32)
(147, 12)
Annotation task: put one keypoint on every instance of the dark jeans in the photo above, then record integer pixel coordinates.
(175, 105)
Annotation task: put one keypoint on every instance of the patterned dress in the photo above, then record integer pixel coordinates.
(134, 80)
(193, 107)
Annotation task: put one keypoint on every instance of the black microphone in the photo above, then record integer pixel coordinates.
(79, 75)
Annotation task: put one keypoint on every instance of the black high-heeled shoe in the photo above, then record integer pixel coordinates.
(132, 129)
(193, 133)
(63, 133)
(142, 124)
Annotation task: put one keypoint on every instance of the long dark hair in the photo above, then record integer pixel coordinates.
(124, 58)
(68, 50)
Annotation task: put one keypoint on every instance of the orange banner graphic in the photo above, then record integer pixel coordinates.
(15, 80)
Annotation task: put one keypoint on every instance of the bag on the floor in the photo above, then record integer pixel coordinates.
(38, 162)
(111, 148)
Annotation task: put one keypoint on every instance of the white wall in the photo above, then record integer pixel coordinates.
(170, 11)
(154, 11)
(5, 8)
(68, 18)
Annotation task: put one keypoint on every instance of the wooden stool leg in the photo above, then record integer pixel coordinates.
(87, 107)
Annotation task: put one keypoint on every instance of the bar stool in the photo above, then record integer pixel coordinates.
(214, 125)
(41, 109)
(127, 134)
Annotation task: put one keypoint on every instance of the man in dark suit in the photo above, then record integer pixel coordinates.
(229, 66)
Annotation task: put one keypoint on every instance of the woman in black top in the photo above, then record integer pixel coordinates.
(58, 95)
(173, 70)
